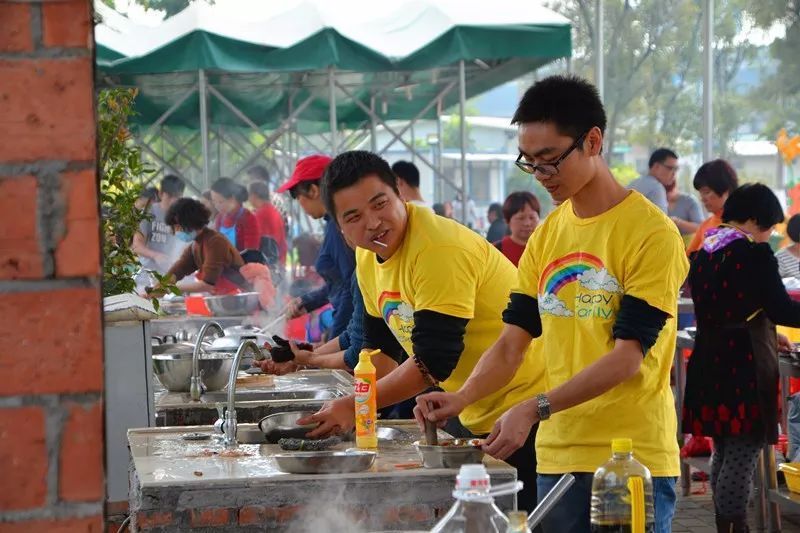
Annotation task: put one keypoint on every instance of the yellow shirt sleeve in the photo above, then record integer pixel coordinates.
(365, 276)
(657, 271)
(449, 289)
(528, 273)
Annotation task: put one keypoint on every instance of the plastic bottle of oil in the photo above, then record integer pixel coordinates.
(474, 510)
(622, 493)
(366, 401)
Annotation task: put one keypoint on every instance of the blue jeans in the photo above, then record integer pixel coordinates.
(571, 513)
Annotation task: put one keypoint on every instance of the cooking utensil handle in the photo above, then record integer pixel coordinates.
(431, 437)
(550, 499)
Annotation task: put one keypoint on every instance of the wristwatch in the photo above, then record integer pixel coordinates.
(543, 406)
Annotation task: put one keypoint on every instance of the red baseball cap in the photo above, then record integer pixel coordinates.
(309, 168)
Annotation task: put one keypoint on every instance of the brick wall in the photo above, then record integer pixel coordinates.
(51, 359)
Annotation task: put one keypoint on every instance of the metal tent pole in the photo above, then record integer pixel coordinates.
(332, 109)
(438, 158)
(462, 100)
(373, 133)
(599, 48)
(203, 93)
(708, 79)
(413, 143)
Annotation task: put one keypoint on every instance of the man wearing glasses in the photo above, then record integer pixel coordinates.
(598, 287)
(663, 167)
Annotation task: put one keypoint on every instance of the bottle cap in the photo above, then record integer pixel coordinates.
(367, 354)
(473, 477)
(621, 445)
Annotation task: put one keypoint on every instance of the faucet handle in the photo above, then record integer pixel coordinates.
(203, 387)
(219, 425)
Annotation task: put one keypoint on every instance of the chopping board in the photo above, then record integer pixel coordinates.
(256, 380)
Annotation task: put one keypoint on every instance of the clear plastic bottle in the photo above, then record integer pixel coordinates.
(474, 510)
(518, 522)
(622, 493)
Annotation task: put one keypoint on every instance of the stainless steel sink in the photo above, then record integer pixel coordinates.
(251, 434)
(267, 396)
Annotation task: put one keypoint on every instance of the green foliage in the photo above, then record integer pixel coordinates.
(519, 181)
(653, 57)
(779, 94)
(121, 169)
(120, 164)
(451, 134)
(624, 173)
(169, 7)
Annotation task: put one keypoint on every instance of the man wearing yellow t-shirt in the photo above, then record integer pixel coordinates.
(431, 287)
(598, 285)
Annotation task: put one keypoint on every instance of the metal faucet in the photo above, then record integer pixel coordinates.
(228, 425)
(196, 385)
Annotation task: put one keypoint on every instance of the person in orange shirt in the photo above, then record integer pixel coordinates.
(714, 181)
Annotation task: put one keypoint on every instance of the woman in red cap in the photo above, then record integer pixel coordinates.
(336, 261)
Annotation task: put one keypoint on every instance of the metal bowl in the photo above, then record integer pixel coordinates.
(328, 462)
(174, 369)
(284, 426)
(448, 455)
(173, 306)
(233, 304)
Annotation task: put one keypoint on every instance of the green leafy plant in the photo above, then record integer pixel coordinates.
(121, 173)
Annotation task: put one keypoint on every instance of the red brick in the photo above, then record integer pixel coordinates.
(66, 23)
(210, 517)
(415, 513)
(92, 524)
(287, 513)
(252, 514)
(46, 110)
(23, 458)
(52, 342)
(78, 252)
(117, 508)
(81, 458)
(80, 192)
(146, 520)
(15, 28)
(20, 256)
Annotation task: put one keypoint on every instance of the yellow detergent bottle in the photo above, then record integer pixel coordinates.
(366, 401)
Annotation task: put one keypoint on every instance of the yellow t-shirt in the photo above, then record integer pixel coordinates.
(443, 266)
(579, 269)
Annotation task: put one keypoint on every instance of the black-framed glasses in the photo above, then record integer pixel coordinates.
(548, 169)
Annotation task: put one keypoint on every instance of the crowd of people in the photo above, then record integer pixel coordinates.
(551, 335)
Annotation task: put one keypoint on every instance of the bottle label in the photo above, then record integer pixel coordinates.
(366, 406)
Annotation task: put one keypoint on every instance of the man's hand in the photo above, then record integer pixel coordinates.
(438, 407)
(511, 430)
(335, 418)
(295, 308)
(301, 357)
(784, 344)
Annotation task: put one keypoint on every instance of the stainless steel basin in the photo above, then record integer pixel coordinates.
(267, 396)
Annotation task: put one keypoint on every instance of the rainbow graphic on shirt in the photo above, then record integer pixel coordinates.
(388, 302)
(565, 270)
(596, 287)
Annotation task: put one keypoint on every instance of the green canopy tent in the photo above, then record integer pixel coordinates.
(292, 75)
